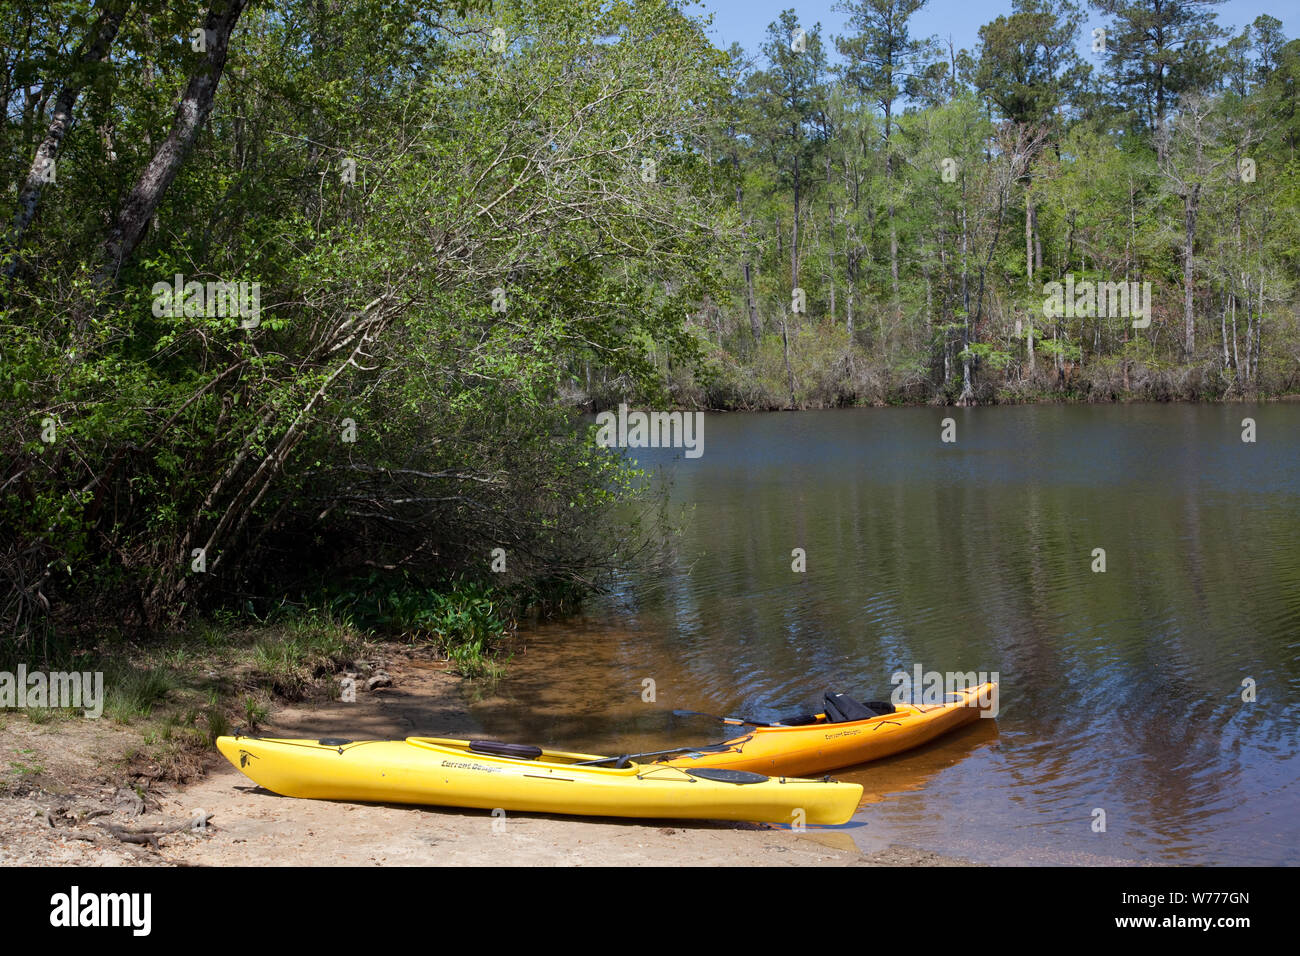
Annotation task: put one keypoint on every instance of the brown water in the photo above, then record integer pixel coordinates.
(1121, 690)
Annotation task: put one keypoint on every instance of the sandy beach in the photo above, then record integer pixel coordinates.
(83, 791)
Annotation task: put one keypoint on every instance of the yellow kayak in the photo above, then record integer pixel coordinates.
(818, 743)
(489, 775)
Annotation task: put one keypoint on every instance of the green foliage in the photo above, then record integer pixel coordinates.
(987, 353)
(254, 714)
(131, 693)
(1028, 63)
(186, 430)
(645, 203)
(911, 242)
(467, 622)
(288, 658)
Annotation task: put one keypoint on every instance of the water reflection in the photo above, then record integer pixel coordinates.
(1121, 690)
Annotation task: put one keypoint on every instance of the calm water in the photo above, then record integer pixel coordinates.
(1120, 690)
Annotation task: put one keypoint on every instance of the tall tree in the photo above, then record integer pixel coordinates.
(1269, 41)
(1028, 67)
(735, 110)
(884, 62)
(790, 100)
(1196, 157)
(92, 52)
(191, 113)
(1157, 51)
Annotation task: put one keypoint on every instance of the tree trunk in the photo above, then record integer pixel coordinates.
(893, 266)
(1029, 240)
(1223, 327)
(929, 300)
(893, 228)
(191, 113)
(966, 391)
(755, 326)
(1190, 200)
(1250, 332)
(851, 269)
(1236, 361)
(794, 232)
(785, 343)
(830, 231)
(1259, 328)
(104, 33)
(1128, 267)
(1029, 269)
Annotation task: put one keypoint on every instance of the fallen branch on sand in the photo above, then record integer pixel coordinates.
(151, 835)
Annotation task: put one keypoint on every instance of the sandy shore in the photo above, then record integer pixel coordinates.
(68, 811)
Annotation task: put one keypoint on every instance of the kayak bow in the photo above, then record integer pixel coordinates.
(824, 745)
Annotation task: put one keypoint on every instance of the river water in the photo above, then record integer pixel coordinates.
(1121, 690)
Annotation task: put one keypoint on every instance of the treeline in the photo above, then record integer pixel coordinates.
(904, 207)
(292, 289)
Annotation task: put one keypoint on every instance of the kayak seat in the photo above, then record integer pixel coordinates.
(496, 749)
(841, 708)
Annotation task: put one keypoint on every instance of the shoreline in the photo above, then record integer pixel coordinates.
(593, 408)
(84, 791)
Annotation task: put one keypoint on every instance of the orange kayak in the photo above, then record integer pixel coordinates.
(822, 746)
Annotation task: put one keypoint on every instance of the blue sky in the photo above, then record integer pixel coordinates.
(745, 21)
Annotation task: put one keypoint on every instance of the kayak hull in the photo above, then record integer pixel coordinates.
(442, 772)
(822, 747)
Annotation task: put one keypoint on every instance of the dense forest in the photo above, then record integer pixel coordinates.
(905, 210)
(307, 297)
